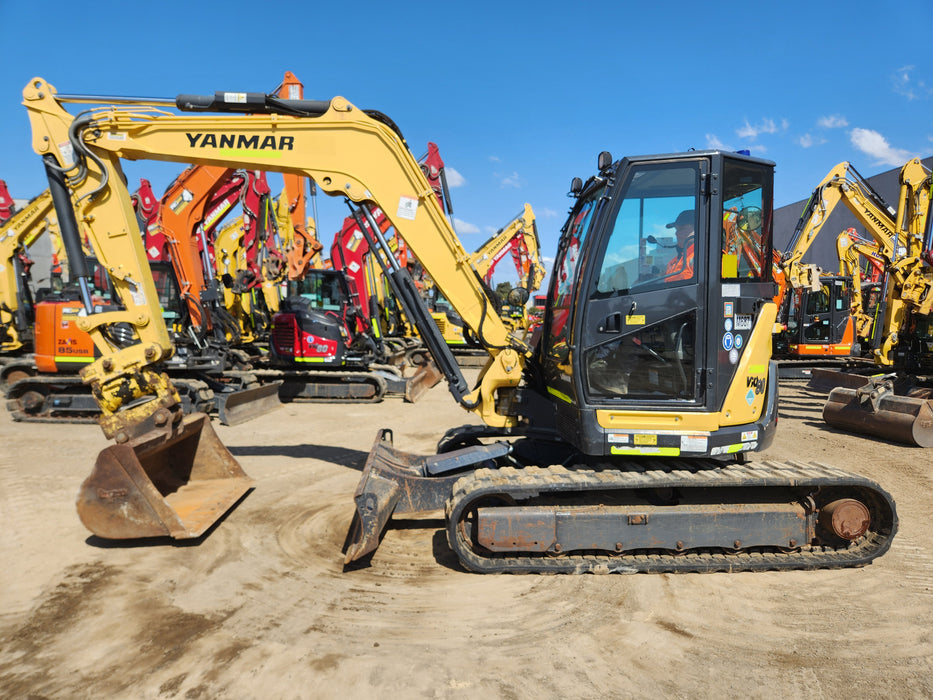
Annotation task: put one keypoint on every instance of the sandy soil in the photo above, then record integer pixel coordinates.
(261, 608)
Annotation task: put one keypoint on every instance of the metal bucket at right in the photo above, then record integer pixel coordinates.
(901, 419)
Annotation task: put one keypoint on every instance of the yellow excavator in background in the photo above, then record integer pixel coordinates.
(861, 262)
(617, 444)
(16, 303)
(894, 405)
(520, 239)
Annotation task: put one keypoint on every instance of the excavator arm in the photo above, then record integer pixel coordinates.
(898, 235)
(345, 150)
(851, 250)
(898, 231)
(508, 239)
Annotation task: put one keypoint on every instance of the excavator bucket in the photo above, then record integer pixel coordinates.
(904, 419)
(238, 407)
(423, 379)
(175, 482)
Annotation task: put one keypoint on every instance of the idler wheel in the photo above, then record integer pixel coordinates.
(846, 518)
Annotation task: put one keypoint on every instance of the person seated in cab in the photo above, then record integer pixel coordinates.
(680, 266)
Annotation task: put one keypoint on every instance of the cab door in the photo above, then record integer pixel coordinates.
(639, 335)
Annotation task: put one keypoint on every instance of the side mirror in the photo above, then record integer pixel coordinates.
(604, 160)
(576, 186)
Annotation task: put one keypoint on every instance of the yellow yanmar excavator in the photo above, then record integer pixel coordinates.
(617, 444)
(892, 399)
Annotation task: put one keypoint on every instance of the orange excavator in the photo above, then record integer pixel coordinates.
(301, 245)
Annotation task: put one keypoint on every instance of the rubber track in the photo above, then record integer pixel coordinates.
(200, 396)
(20, 415)
(531, 482)
(336, 378)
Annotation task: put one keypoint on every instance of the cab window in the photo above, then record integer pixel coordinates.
(746, 220)
(653, 238)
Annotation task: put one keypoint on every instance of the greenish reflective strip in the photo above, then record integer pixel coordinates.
(660, 451)
(736, 448)
(73, 359)
(239, 153)
(456, 342)
(559, 394)
(310, 359)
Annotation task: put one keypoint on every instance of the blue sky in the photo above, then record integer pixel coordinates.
(519, 96)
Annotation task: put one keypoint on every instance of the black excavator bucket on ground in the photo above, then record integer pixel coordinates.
(874, 409)
(176, 481)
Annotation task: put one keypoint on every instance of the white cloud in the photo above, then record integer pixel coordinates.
(549, 213)
(834, 121)
(465, 227)
(766, 126)
(712, 141)
(513, 180)
(495, 159)
(809, 140)
(901, 80)
(454, 179)
(877, 146)
(906, 85)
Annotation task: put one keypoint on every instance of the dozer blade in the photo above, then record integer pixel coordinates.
(238, 407)
(822, 379)
(426, 377)
(174, 482)
(902, 419)
(400, 483)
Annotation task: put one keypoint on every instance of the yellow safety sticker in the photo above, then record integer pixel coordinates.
(638, 320)
(562, 396)
(659, 451)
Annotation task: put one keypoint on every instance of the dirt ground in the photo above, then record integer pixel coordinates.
(261, 608)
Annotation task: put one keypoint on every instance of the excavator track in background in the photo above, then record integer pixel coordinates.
(66, 399)
(52, 399)
(350, 386)
(654, 516)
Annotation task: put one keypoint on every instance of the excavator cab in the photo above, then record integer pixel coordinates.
(654, 333)
(315, 322)
(651, 383)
